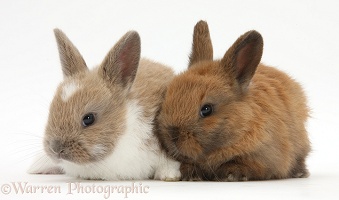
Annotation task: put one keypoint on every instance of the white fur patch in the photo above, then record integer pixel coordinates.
(68, 90)
(98, 150)
(168, 169)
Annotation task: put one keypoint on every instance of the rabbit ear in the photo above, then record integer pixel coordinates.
(71, 60)
(243, 57)
(202, 46)
(121, 63)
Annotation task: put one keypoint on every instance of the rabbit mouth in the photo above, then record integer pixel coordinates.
(69, 151)
(58, 156)
(187, 145)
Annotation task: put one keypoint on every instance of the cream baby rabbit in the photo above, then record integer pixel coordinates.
(100, 123)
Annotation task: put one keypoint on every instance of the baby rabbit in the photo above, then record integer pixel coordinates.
(100, 123)
(234, 119)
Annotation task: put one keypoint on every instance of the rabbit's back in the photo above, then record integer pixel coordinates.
(280, 104)
(150, 85)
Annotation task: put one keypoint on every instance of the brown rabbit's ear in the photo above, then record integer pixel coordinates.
(70, 58)
(202, 46)
(243, 57)
(121, 63)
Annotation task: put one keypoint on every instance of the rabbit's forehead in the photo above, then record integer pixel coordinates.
(195, 87)
(185, 95)
(69, 89)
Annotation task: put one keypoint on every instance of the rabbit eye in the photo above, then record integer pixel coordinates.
(88, 119)
(206, 110)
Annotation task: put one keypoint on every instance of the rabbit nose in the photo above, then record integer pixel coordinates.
(57, 147)
(174, 132)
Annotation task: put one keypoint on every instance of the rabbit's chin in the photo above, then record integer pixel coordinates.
(189, 149)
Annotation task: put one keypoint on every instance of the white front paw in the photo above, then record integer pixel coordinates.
(169, 170)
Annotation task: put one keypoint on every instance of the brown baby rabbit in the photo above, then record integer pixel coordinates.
(234, 119)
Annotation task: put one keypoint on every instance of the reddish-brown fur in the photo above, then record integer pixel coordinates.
(257, 128)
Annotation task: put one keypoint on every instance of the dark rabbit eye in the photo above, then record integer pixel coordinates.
(88, 119)
(206, 110)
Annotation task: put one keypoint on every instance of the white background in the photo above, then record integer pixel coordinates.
(301, 38)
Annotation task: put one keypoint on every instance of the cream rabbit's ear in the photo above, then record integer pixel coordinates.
(202, 46)
(243, 57)
(70, 58)
(121, 63)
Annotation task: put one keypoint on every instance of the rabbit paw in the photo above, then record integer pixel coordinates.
(168, 171)
(233, 173)
(300, 170)
(190, 172)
